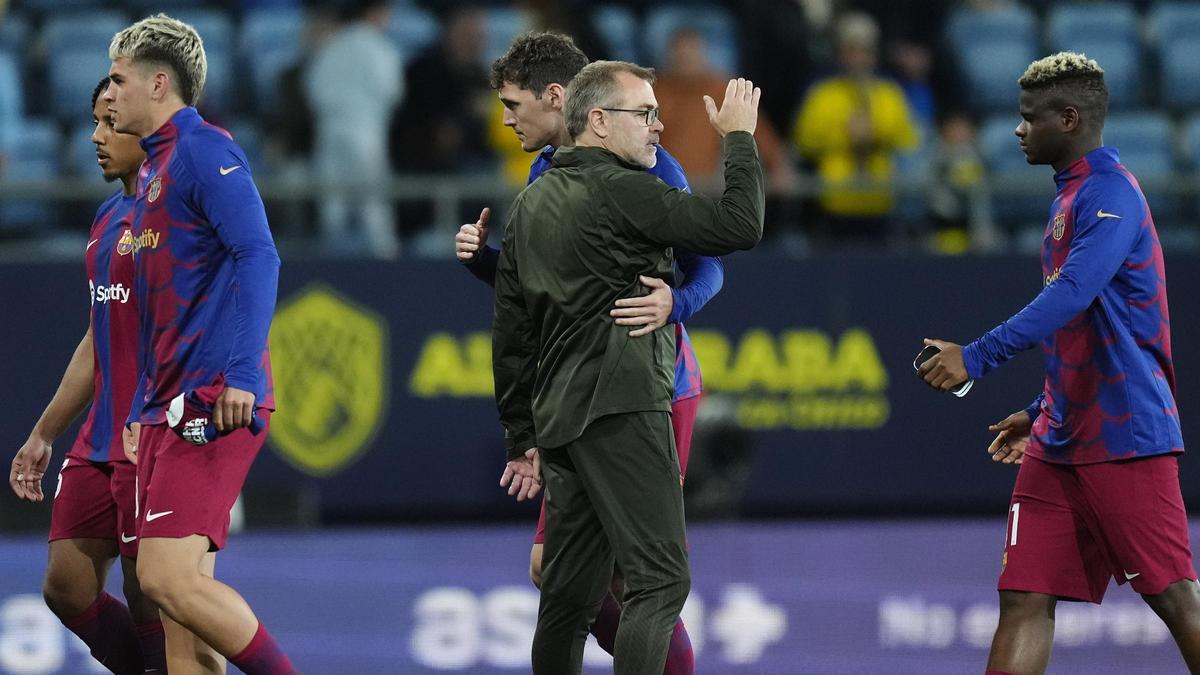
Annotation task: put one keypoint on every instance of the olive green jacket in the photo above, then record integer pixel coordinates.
(575, 243)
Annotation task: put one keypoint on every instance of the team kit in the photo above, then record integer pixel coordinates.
(597, 383)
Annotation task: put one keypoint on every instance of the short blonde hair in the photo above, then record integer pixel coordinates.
(170, 42)
(1060, 66)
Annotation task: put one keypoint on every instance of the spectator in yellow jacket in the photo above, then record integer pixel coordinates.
(851, 126)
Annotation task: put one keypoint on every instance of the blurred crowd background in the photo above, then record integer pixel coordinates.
(372, 129)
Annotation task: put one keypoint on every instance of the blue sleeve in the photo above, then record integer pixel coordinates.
(1035, 408)
(703, 277)
(1098, 249)
(484, 265)
(230, 202)
(668, 170)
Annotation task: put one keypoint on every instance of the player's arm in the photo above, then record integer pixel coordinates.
(1098, 249)
(74, 393)
(514, 367)
(230, 202)
(703, 278)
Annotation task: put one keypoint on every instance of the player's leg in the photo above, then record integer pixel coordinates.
(631, 473)
(186, 494)
(578, 567)
(1140, 509)
(83, 545)
(535, 552)
(1051, 551)
(1025, 634)
(1179, 607)
(186, 653)
(123, 491)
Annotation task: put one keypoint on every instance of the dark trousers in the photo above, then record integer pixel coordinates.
(612, 496)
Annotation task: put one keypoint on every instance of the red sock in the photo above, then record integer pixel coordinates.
(107, 629)
(154, 646)
(263, 656)
(680, 659)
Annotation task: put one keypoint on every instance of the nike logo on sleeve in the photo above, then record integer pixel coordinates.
(1102, 214)
(226, 172)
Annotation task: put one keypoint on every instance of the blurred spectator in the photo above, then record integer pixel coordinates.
(354, 85)
(852, 126)
(680, 88)
(443, 124)
(782, 41)
(959, 203)
(912, 64)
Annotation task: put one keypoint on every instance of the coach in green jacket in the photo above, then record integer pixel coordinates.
(580, 400)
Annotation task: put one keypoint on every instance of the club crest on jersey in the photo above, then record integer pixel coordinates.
(154, 190)
(330, 370)
(1060, 227)
(125, 243)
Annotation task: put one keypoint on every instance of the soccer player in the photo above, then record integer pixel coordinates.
(574, 392)
(530, 80)
(92, 521)
(1097, 495)
(205, 277)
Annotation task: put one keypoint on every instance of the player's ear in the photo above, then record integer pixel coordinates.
(598, 123)
(555, 95)
(160, 85)
(1069, 118)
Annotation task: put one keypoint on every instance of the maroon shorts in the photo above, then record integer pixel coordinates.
(683, 419)
(95, 500)
(1072, 527)
(186, 489)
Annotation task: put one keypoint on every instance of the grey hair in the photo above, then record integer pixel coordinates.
(169, 42)
(595, 87)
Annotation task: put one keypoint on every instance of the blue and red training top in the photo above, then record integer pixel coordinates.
(1102, 321)
(206, 269)
(703, 275)
(114, 321)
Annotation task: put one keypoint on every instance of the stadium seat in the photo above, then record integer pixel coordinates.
(219, 84)
(1191, 142)
(413, 29)
(271, 40)
(82, 30)
(73, 74)
(45, 6)
(1009, 23)
(1109, 33)
(1146, 144)
(715, 23)
(991, 69)
(34, 156)
(1175, 28)
(246, 134)
(1171, 20)
(12, 100)
(502, 25)
(14, 33)
(618, 30)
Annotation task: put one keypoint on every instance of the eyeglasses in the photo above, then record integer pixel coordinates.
(651, 115)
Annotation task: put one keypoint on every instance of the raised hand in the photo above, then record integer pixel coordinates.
(472, 237)
(739, 110)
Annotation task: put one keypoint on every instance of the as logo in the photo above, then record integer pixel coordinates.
(330, 363)
(154, 190)
(1060, 226)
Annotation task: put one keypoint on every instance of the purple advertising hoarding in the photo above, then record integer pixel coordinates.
(795, 598)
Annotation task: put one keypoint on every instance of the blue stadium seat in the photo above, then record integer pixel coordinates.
(247, 135)
(715, 23)
(413, 29)
(270, 41)
(1175, 28)
(619, 30)
(991, 70)
(82, 30)
(1011, 23)
(12, 100)
(1108, 33)
(219, 83)
(502, 26)
(14, 33)
(1147, 148)
(34, 157)
(45, 6)
(73, 74)
(1191, 142)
